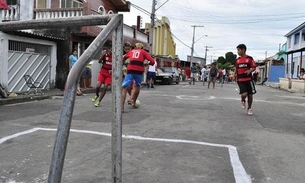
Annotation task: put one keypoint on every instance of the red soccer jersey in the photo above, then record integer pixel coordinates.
(137, 57)
(106, 60)
(242, 65)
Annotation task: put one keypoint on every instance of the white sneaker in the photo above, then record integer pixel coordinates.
(250, 112)
(243, 104)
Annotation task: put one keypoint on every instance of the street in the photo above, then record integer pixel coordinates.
(179, 134)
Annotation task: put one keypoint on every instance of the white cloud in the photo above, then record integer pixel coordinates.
(260, 24)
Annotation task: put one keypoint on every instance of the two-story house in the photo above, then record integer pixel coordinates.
(44, 53)
(295, 51)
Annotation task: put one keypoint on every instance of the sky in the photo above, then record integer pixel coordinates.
(260, 24)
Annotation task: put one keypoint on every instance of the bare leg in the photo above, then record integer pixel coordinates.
(134, 94)
(124, 92)
(250, 100)
(244, 96)
(103, 92)
(97, 89)
(213, 84)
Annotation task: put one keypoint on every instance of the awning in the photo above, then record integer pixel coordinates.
(3, 5)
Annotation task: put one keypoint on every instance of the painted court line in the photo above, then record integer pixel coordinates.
(239, 171)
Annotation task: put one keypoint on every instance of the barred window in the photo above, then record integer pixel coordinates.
(29, 47)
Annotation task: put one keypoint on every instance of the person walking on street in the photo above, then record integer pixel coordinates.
(213, 75)
(151, 75)
(204, 74)
(244, 66)
(193, 73)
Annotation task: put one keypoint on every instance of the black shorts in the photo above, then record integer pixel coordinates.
(246, 86)
(151, 75)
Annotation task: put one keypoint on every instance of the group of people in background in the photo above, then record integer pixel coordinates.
(210, 75)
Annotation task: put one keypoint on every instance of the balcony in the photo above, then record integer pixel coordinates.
(57, 13)
(13, 14)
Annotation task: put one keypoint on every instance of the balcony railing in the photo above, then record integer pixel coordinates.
(57, 13)
(13, 14)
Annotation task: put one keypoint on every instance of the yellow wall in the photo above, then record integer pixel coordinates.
(164, 43)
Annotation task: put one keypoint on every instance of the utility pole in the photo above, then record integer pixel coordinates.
(193, 42)
(152, 26)
(206, 53)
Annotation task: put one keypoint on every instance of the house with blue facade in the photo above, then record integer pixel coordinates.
(275, 65)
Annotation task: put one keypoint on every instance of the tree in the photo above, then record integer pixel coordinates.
(221, 60)
(230, 57)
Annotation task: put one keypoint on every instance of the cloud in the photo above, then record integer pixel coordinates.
(260, 24)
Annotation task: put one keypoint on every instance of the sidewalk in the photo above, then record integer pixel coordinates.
(47, 94)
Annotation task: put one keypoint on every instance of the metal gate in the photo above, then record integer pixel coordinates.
(21, 63)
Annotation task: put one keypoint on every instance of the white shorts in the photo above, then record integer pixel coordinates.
(193, 75)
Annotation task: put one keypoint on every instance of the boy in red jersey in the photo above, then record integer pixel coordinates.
(244, 66)
(135, 71)
(104, 77)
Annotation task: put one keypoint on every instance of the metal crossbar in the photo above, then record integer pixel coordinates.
(114, 26)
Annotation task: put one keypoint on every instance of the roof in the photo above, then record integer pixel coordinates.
(298, 28)
(34, 35)
(121, 5)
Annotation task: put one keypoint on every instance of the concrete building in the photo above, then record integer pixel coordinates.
(295, 51)
(164, 46)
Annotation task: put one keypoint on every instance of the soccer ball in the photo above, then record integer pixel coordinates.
(137, 104)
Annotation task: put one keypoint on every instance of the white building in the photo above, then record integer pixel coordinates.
(295, 51)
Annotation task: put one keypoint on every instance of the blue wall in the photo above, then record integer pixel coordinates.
(276, 72)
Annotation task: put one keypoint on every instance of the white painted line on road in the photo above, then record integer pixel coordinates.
(212, 97)
(185, 86)
(239, 171)
(18, 134)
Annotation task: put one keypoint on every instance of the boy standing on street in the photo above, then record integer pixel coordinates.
(244, 67)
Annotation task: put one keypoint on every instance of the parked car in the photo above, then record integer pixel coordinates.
(168, 75)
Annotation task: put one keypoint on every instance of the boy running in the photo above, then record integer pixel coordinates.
(244, 67)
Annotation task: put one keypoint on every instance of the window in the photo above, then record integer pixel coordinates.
(71, 3)
(289, 42)
(11, 2)
(296, 38)
(42, 4)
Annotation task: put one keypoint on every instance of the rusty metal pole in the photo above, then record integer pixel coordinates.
(117, 75)
(63, 130)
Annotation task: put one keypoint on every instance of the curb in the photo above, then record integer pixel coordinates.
(28, 98)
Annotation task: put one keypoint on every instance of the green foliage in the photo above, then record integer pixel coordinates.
(226, 65)
(231, 57)
(226, 62)
(221, 60)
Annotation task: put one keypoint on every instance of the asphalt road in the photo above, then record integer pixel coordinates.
(180, 134)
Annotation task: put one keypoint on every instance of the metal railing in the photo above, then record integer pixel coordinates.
(114, 27)
(12, 14)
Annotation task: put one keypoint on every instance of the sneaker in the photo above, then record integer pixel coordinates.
(152, 86)
(94, 98)
(97, 104)
(250, 112)
(243, 104)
